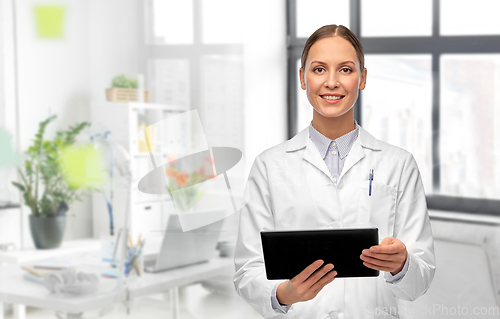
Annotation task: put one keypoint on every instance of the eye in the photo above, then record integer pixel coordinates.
(348, 70)
(318, 68)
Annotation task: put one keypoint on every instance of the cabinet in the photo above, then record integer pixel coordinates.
(148, 213)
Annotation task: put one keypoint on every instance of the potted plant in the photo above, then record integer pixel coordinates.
(125, 89)
(43, 186)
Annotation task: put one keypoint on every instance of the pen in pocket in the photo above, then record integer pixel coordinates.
(371, 180)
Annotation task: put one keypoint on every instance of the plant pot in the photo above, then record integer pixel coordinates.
(47, 232)
(125, 95)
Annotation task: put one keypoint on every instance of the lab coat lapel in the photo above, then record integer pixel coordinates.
(357, 152)
(355, 155)
(311, 153)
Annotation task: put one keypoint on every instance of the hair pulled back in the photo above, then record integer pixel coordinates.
(332, 30)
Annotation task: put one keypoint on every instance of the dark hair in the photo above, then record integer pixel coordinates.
(332, 30)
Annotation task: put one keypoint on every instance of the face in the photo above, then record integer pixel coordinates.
(332, 77)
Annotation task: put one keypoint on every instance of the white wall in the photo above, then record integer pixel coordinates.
(265, 82)
(53, 78)
(53, 73)
(63, 76)
(7, 81)
(2, 100)
(10, 219)
(115, 47)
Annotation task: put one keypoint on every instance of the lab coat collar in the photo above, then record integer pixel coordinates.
(311, 154)
(365, 139)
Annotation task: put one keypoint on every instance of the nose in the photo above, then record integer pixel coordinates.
(331, 81)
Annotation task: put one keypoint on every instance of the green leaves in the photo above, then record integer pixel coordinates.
(19, 186)
(43, 185)
(121, 81)
(39, 135)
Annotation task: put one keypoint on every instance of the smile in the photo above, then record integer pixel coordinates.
(332, 98)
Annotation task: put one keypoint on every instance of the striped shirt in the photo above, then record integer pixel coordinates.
(334, 152)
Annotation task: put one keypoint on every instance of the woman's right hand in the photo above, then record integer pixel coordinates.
(305, 287)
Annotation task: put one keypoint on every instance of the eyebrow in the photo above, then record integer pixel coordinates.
(345, 62)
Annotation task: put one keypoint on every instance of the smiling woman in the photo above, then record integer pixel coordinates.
(332, 70)
(348, 179)
(331, 79)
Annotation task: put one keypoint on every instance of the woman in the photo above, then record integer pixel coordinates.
(320, 179)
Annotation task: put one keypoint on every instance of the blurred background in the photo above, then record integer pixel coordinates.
(433, 88)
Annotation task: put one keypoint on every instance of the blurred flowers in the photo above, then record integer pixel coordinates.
(184, 180)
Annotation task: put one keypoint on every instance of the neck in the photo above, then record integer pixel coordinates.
(334, 127)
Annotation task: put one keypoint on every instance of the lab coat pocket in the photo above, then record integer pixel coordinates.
(378, 208)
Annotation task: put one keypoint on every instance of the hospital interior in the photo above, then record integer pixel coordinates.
(128, 129)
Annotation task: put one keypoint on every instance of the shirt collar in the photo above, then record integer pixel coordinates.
(344, 142)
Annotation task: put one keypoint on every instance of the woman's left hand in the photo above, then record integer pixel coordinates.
(389, 256)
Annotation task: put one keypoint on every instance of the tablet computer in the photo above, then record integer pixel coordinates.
(287, 253)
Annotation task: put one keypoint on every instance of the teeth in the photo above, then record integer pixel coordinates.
(330, 97)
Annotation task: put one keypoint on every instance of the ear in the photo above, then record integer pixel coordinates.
(302, 80)
(362, 84)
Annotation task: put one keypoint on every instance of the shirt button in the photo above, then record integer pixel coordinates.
(335, 225)
(334, 153)
(334, 143)
(334, 180)
(333, 315)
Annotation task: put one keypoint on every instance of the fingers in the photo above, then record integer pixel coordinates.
(386, 249)
(376, 267)
(388, 256)
(379, 264)
(308, 271)
(329, 277)
(323, 282)
(312, 280)
(307, 284)
(396, 257)
(387, 241)
(389, 245)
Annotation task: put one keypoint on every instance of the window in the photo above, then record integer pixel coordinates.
(480, 17)
(392, 18)
(217, 16)
(312, 14)
(442, 63)
(470, 125)
(304, 109)
(171, 22)
(194, 60)
(397, 105)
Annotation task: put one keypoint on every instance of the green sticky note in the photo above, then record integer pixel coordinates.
(7, 155)
(82, 166)
(49, 21)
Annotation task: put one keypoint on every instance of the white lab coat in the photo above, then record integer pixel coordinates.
(290, 188)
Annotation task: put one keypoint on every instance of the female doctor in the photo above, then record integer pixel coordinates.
(320, 179)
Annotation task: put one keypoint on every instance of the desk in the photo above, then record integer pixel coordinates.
(28, 255)
(15, 289)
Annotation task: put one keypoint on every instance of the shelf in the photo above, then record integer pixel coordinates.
(27, 255)
(8, 205)
(146, 154)
(152, 106)
(136, 106)
(125, 120)
(150, 201)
